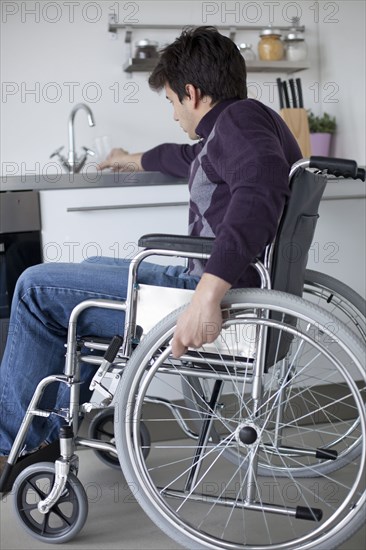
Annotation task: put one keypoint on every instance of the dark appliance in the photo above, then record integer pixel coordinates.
(20, 246)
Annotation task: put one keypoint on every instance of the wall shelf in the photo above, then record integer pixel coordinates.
(114, 27)
(284, 66)
(287, 67)
(134, 64)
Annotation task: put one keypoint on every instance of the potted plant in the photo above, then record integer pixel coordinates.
(321, 130)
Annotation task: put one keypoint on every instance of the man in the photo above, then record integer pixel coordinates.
(238, 180)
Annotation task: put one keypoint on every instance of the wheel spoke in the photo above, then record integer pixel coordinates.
(28, 508)
(44, 523)
(32, 485)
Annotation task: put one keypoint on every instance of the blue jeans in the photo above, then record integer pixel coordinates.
(44, 298)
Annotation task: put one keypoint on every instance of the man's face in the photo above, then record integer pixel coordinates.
(183, 112)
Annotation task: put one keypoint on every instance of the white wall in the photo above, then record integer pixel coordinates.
(342, 52)
(40, 55)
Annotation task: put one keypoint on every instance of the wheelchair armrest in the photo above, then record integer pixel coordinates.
(180, 243)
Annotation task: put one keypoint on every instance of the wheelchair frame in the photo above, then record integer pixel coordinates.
(108, 366)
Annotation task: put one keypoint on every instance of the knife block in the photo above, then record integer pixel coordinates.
(297, 121)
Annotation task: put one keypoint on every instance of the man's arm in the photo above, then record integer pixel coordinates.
(201, 321)
(172, 159)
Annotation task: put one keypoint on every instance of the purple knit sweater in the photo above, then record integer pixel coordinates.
(238, 181)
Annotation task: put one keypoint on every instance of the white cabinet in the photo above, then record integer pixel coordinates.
(83, 223)
(339, 242)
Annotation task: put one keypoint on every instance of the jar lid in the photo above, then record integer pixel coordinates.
(270, 32)
(294, 36)
(146, 42)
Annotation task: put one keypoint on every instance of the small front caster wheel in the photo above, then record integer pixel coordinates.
(65, 519)
(102, 427)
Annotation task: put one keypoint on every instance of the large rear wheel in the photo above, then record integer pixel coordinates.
(311, 413)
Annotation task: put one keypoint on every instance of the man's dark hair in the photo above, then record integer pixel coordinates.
(206, 59)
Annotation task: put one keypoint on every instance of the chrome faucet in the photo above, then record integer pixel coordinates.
(73, 164)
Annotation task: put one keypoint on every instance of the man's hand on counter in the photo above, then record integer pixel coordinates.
(120, 160)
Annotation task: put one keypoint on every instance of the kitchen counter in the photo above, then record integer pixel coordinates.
(336, 188)
(85, 180)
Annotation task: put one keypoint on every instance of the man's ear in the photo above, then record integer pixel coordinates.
(193, 93)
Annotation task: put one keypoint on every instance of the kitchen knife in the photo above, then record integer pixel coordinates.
(299, 92)
(280, 92)
(285, 92)
(293, 92)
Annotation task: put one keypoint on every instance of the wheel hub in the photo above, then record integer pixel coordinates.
(246, 434)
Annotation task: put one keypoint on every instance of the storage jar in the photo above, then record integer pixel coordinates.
(295, 47)
(247, 52)
(270, 47)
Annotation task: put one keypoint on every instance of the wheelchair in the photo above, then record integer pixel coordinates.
(242, 443)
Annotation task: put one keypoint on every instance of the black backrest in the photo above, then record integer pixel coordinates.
(296, 231)
(291, 247)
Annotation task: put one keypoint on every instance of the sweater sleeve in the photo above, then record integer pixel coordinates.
(248, 157)
(171, 158)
